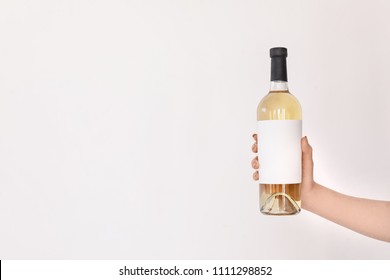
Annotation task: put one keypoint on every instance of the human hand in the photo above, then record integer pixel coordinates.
(307, 166)
(366, 216)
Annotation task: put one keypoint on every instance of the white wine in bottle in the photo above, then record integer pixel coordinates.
(279, 118)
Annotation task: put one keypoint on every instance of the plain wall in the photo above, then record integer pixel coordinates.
(125, 126)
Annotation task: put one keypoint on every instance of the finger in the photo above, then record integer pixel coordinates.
(255, 137)
(256, 175)
(307, 159)
(254, 147)
(255, 163)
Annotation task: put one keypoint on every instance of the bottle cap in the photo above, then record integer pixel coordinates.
(279, 51)
(278, 64)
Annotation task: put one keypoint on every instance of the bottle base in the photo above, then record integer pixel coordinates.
(280, 200)
(280, 213)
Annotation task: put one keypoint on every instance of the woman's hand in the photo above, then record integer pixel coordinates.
(366, 216)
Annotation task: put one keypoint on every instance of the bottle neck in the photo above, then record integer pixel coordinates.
(279, 86)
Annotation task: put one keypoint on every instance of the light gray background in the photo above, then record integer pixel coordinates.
(125, 126)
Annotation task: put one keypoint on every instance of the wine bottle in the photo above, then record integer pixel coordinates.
(279, 118)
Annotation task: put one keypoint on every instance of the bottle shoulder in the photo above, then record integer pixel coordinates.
(279, 105)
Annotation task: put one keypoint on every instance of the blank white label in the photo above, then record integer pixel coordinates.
(279, 151)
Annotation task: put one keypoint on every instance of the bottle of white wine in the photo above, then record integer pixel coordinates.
(279, 118)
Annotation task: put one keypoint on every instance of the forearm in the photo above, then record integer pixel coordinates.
(368, 217)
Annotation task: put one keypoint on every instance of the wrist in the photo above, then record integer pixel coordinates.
(307, 194)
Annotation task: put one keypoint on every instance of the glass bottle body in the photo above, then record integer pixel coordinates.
(279, 104)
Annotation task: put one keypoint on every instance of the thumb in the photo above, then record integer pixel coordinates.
(307, 160)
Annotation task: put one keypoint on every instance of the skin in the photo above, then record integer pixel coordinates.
(365, 216)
